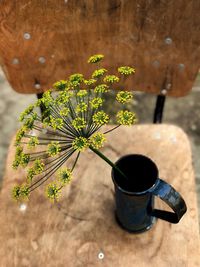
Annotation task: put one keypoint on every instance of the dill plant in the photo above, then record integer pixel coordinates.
(71, 123)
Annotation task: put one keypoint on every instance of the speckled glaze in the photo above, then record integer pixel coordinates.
(135, 209)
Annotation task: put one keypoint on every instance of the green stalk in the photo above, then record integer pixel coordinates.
(108, 161)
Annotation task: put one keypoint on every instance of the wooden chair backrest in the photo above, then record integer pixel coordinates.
(44, 41)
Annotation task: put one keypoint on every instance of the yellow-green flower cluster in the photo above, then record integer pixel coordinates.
(38, 166)
(63, 97)
(30, 173)
(29, 123)
(80, 143)
(125, 117)
(98, 73)
(20, 158)
(124, 97)
(47, 98)
(61, 85)
(96, 102)
(89, 82)
(53, 148)
(64, 112)
(20, 192)
(111, 79)
(101, 88)
(79, 123)
(100, 118)
(81, 107)
(53, 191)
(33, 141)
(20, 134)
(56, 123)
(95, 58)
(82, 93)
(126, 70)
(97, 140)
(73, 116)
(76, 79)
(26, 112)
(64, 176)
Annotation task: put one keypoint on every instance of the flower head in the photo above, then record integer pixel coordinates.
(81, 107)
(80, 143)
(101, 88)
(20, 192)
(76, 79)
(56, 123)
(124, 97)
(82, 93)
(64, 175)
(31, 172)
(53, 148)
(38, 166)
(125, 117)
(26, 112)
(64, 97)
(126, 70)
(95, 58)
(79, 123)
(64, 112)
(61, 85)
(47, 98)
(20, 134)
(96, 102)
(53, 192)
(100, 118)
(98, 73)
(97, 140)
(24, 159)
(89, 82)
(111, 79)
(33, 141)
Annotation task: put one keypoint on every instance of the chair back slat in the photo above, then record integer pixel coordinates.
(44, 41)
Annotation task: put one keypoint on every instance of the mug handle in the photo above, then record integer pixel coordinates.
(169, 195)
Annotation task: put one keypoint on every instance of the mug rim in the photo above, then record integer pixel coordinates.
(150, 189)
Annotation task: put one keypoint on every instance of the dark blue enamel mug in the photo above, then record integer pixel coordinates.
(135, 195)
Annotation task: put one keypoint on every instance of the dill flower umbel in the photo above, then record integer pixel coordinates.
(95, 58)
(124, 97)
(70, 124)
(126, 70)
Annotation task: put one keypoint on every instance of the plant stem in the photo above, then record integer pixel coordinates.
(108, 161)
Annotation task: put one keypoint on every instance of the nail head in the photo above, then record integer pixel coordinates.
(23, 207)
(15, 61)
(37, 86)
(42, 60)
(101, 255)
(168, 40)
(27, 36)
(181, 66)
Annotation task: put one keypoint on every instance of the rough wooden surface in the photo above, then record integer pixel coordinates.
(160, 38)
(83, 225)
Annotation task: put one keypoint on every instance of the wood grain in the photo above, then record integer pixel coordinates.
(66, 33)
(74, 232)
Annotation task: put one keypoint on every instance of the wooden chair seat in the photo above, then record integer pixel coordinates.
(81, 230)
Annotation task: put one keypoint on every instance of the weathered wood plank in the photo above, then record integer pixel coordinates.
(66, 33)
(82, 225)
